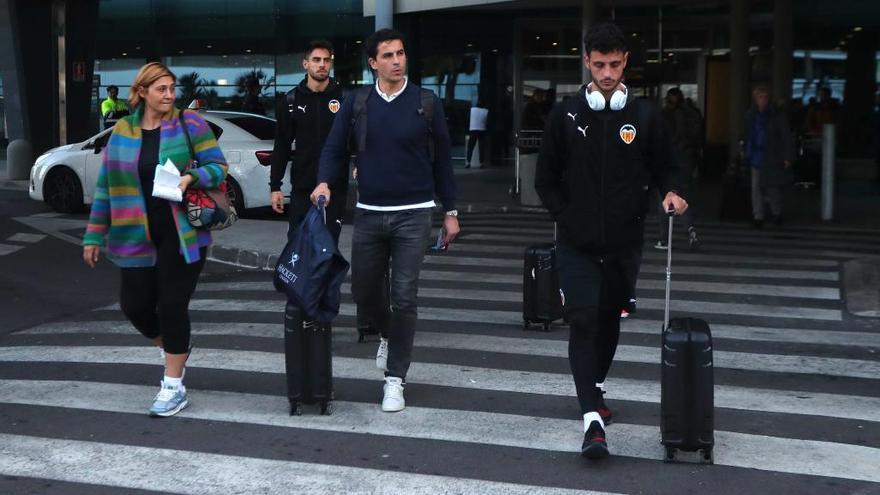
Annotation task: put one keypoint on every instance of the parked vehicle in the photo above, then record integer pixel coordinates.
(65, 177)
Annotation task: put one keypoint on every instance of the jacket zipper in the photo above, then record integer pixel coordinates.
(602, 181)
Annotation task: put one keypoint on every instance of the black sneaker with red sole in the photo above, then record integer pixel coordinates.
(595, 446)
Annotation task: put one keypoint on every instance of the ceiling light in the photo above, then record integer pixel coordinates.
(555, 43)
(248, 50)
(124, 54)
(857, 28)
(209, 46)
(358, 42)
(574, 49)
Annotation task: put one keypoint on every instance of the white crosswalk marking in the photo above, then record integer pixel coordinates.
(796, 390)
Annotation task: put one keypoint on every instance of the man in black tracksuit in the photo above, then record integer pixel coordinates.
(305, 114)
(600, 155)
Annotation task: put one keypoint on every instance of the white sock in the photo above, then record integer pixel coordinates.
(600, 386)
(172, 382)
(590, 417)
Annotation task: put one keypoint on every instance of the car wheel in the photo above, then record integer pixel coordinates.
(235, 196)
(62, 191)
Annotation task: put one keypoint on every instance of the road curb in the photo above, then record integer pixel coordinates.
(243, 258)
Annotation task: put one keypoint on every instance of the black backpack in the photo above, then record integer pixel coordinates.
(358, 132)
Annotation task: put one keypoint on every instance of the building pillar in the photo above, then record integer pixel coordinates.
(856, 136)
(589, 12)
(783, 50)
(10, 70)
(384, 14)
(739, 72)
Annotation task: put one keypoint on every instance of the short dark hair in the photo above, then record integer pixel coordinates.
(318, 44)
(372, 45)
(676, 91)
(604, 37)
(112, 87)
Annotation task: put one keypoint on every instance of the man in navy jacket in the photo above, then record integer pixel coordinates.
(404, 161)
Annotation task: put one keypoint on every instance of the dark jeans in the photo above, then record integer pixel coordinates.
(397, 240)
(156, 299)
(300, 202)
(595, 290)
(474, 137)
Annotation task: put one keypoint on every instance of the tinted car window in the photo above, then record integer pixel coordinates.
(258, 127)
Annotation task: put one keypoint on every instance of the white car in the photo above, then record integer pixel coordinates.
(65, 177)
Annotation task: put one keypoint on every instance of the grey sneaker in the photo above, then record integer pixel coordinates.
(169, 401)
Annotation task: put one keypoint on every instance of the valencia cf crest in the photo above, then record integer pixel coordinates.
(628, 133)
(333, 105)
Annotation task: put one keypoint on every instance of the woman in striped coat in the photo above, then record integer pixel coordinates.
(159, 253)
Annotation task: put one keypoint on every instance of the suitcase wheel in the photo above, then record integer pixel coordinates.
(707, 456)
(295, 408)
(361, 338)
(326, 408)
(546, 326)
(670, 454)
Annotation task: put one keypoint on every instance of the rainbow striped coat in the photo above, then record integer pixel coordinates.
(119, 213)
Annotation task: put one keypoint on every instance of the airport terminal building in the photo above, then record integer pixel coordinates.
(57, 57)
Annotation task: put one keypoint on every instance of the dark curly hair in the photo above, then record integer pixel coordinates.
(604, 37)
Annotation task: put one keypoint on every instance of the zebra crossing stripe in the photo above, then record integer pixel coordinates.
(731, 397)
(634, 326)
(825, 293)
(650, 268)
(797, 456)
(515, 318)
(188, 472)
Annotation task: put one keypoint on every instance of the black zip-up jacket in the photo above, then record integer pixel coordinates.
(595, 170)
(307, 117)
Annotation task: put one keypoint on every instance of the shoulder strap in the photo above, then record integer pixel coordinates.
(358, 132)
(189, 144)
(426, 102)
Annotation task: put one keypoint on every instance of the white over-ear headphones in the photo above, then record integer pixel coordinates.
(596, 99)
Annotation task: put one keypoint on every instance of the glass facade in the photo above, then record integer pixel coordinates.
(222, 51)
(3, 139)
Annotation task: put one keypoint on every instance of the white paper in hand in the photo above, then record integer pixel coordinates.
(166, 182)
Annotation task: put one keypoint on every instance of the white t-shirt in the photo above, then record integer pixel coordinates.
(479, 116)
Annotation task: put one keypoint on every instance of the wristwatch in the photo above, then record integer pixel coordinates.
(452, 213)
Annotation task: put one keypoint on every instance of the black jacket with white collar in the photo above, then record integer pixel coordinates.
(595, 169)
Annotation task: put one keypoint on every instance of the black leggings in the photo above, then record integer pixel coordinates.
(156, 299)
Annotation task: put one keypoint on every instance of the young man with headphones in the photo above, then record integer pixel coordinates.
(602, 151)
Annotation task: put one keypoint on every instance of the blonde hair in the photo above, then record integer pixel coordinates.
(145, 78)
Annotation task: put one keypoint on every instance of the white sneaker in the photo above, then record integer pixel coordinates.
(382, 354)
(393, 400)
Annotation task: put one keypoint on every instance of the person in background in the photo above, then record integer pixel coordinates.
(113, 109)
(477, 133)
(769, 151)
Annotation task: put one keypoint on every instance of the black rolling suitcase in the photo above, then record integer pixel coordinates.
(542, 302)
(308, 362)
(686, 381)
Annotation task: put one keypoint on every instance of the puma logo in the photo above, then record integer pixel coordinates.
(303, 108)
(583, 130)
(572, 116)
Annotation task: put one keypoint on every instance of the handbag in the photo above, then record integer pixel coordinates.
(310, 269)
(208, 209)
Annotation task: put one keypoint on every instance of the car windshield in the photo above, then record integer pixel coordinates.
(260, 128)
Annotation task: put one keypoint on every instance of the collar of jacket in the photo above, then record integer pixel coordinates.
(303, 86)
(134, 120)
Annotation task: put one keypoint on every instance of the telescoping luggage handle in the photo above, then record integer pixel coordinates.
(671, 213)
(321, 202)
